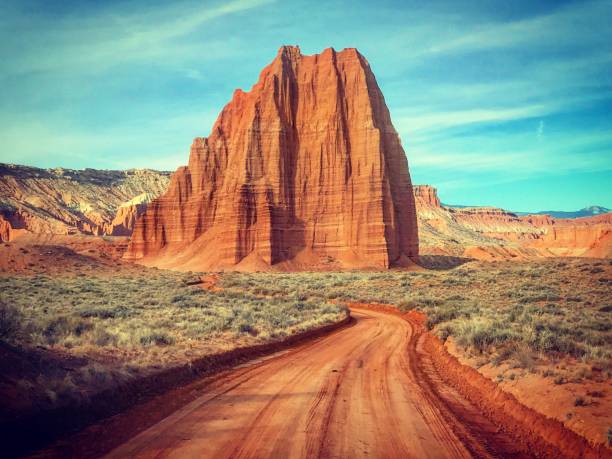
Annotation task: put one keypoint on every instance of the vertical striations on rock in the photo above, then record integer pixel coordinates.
(426, 196)
(305, 171)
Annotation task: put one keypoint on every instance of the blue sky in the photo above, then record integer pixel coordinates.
(500, 103)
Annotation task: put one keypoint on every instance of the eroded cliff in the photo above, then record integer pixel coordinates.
(305, 171)
(66, 201)
(491, 233)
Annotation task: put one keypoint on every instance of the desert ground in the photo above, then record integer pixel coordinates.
(538, 332)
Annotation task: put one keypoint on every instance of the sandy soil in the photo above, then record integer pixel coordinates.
(354, 393)
(589, 418)
(53, 254)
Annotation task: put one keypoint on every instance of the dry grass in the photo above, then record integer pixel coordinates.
(87, 324)
(153, 308)
(506, 311)
(128, 324)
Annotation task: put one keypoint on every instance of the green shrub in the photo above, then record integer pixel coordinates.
(59, 328)
(444, 331)
(10, 322)
(156, 338)
(523, 357)
(480, 334)
(580, 401)
(437, 316)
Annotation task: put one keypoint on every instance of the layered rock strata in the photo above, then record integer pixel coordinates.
(491, 233)
(66, 201)
(305, 171)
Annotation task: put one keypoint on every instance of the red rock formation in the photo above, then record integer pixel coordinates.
(491, 233)
(538, 220)
(127, 214)
(303, 170)
(426, 195)
(5, 229)
(125, 220)
(12, 224)
(586, 236)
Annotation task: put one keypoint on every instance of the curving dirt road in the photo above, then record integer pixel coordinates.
(363, 391)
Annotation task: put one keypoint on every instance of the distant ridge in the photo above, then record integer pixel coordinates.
(586, 212)
(590, 211)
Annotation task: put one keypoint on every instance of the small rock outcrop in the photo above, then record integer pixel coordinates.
(5, 229)
(426, 196)
(127, 214)
(305, 171)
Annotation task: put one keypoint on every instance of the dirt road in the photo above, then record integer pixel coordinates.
(360, 392)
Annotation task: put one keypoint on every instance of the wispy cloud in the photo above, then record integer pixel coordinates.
(540, 131)
(558, 28)
(444, 120)
(94, 43)
(511, 156)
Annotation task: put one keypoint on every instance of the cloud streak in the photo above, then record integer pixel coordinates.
(555, 29)
(85, 43)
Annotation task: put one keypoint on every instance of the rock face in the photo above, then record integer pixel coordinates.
(65, 201)
(5, 229)
(125, 220)
(13, 225)
(426, 196)
(490, 233)
(304, 171)
(584, 237)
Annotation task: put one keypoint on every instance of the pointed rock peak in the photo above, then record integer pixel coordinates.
(291, 52)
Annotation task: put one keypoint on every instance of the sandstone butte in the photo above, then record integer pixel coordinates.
(305, 171)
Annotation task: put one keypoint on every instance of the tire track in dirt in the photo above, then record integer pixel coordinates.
(373, 389)
(354, 393)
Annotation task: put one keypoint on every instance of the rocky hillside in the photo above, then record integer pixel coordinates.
(493, 233)
(66, 201)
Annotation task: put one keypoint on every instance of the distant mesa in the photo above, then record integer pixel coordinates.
(426, 195)
(305, 171)
(491, 233)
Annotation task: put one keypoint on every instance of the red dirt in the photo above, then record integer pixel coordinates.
(532, 430)
(379, 388)
(52, 254)
(209, 282)
(155, 396)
